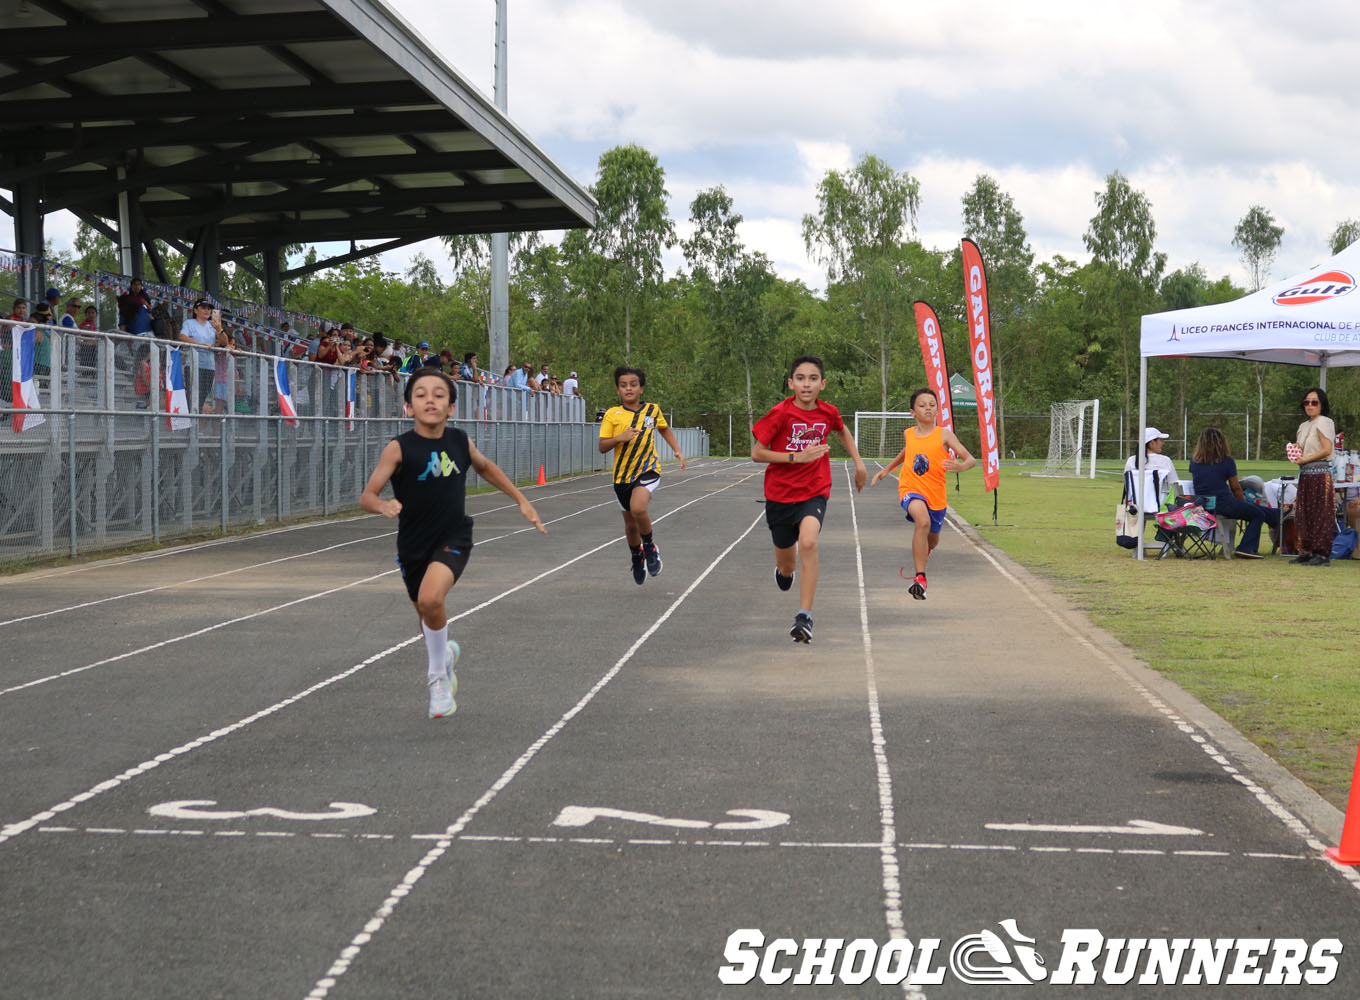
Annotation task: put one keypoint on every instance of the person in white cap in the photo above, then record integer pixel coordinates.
(1159, 472)
(571, 387)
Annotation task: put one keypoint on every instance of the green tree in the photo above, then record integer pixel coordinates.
(991, 220)
(1345, 233)
(1120, 237)
(632, 227)
(470, 255)
(863, 216)
(1257, 239)
(731, 285)
(95, 251)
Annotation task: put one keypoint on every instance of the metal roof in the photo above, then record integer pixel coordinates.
(280, 121)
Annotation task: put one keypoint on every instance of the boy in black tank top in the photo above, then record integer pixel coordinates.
(428, 467)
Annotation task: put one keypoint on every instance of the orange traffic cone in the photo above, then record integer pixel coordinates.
(1349, 851)
(542, 479)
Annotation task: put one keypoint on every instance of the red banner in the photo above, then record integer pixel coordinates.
(932, 354)
(980, 346)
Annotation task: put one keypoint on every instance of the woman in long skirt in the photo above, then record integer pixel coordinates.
(1315, 506)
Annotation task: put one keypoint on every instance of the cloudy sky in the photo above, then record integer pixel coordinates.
(1208, 107)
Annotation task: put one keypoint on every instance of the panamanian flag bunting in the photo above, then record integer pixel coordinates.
(286, 407)
(176, 399)
(349, 397)
(25, 390)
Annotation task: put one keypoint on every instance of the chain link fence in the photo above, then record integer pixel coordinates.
(1026, 434)
(101, 464)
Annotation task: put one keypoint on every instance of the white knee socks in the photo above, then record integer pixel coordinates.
(437, 649)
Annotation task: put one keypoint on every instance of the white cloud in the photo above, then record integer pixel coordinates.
(1208, 107)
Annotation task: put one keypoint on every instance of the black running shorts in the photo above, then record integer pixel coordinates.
(784, 518)
(452, 554)
(624, 491)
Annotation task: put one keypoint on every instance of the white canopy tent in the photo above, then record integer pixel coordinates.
(1310, 319)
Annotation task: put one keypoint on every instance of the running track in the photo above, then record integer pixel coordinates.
(218, 779)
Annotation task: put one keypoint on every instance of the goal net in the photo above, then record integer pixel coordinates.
(878, 435)
(1072, 438)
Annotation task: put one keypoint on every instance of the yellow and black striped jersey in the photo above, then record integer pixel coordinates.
(637, 456)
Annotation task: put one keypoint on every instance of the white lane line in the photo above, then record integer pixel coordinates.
(176, 551)
(12, 830)
(1272, 804)
(892, 870)
(606, 485)
(299, 555)
(837, 845)
(399, 892)
(190, 635)
(278, 607)
(198, 579)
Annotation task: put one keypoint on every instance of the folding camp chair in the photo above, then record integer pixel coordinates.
(1189, 531)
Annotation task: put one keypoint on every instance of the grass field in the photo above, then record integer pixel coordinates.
(1270, 646)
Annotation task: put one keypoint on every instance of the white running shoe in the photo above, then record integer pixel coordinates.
(455, 651)
(441, 698)
(443, 688)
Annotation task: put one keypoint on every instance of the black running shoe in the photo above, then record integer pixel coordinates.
(782, 582)
(802, 628)
(639, 570)
(653, 556)
(1320, 561)
(918, 587)
(1300, 559)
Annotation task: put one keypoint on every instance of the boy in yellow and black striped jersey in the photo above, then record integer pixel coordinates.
(630, 430)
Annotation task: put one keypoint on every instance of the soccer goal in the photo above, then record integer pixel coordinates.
(878, 435)
(1067, 425)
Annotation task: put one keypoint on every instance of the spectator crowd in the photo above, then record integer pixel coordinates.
(211, 334)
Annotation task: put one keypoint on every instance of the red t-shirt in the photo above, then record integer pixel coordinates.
(787, 427)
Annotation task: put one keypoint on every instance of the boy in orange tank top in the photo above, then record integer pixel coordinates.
(925, 459)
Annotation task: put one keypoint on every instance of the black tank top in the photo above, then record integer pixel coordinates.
(432, 487)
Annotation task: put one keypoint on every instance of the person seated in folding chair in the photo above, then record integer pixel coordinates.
(1159, 475)
(1215, 475)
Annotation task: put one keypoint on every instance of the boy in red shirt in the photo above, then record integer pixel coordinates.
(792, 439)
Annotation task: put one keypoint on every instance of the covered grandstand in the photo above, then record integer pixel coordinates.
(231, 128)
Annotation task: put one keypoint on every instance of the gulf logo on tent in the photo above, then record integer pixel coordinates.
(1331, 285)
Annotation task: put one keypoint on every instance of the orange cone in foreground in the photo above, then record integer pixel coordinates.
(542, 479)
(1349, 851)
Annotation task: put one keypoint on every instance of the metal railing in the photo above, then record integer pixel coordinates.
(84, 369)
(104, 468)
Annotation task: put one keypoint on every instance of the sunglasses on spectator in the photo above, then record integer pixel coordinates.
(1312, 402)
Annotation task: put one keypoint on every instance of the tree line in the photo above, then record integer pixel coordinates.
(715, 336)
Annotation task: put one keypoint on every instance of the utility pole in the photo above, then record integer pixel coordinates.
(500, 242)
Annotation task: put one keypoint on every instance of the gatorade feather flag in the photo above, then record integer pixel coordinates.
(176, 399)
(286, 407)
(25, 391)
(980, 346)
(349, 398)
(932, 353)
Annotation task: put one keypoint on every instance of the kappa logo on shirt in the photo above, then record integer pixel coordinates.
(803, 436)
(440, 465)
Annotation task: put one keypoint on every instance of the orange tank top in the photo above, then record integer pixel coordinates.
(923, 468)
